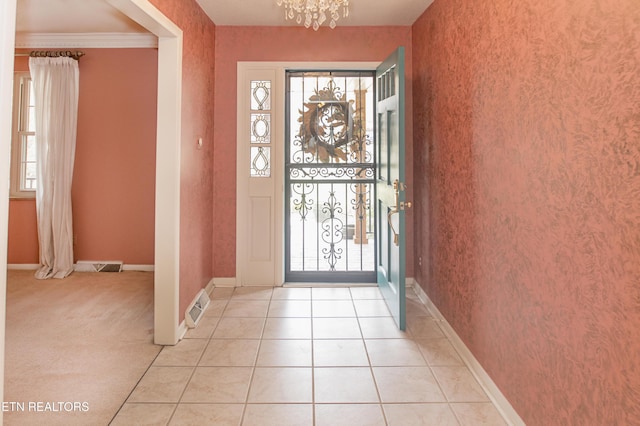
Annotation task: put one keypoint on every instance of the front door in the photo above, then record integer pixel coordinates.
(329, 177)
(390, 186)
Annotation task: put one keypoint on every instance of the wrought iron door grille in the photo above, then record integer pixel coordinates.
(330, 176)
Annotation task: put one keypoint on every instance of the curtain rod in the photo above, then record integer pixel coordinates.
(53, 54)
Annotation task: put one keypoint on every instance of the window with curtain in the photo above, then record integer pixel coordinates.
(55, 87)
(23, 159)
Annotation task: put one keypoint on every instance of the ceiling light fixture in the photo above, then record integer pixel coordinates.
(314, 12)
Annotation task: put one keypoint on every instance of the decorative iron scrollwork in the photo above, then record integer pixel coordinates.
(330, 172)
(360, 201)
(302, 203)
(327, 124)
(346, 173)
(332, 231)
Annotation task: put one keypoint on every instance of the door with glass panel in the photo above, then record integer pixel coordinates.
(390, 184)
(330, 177)
(258, 227)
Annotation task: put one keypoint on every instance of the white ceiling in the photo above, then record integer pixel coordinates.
(361, 12)
(97, 16)
(72, 16)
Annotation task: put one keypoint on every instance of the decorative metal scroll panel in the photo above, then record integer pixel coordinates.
(330, 176)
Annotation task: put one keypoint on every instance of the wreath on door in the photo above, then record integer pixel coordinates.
(327, 125)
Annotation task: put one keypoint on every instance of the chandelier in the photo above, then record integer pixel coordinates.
(315, 12)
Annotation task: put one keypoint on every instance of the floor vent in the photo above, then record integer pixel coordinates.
(196, 308)
(99, 266)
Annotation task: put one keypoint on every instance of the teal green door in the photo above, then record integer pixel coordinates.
(390, 178)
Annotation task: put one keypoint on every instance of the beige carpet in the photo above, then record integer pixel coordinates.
(86, 339)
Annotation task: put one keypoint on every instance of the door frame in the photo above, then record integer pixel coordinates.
(7, 45)
(277, 158)
(167, 181)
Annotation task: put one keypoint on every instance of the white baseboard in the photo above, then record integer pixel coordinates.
(224, 282)
(209, 287)
(23, 266)
(182, 330)
(143, 268)
(501, 403)
(34, 266)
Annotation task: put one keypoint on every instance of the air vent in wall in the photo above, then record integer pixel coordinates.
(196, 309)
(99, 266)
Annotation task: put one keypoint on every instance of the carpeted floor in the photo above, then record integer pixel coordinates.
(75, 348)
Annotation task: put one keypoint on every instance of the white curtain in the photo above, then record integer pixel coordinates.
(55, 85)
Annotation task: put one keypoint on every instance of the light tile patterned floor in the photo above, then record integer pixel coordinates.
(309, 356)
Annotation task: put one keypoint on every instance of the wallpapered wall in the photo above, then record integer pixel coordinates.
(293, 44)
(196, 165)
(527, 169)
(114, 174)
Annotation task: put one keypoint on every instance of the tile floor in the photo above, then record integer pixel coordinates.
(309, 356)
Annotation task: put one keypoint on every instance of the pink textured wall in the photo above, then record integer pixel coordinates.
(235, 44)
(527, 169)
(23, 234)
(196, 165)
(114, 175)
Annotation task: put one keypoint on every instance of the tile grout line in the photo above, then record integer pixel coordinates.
(209, 341)
(255, 361)
(373, 377)
(448, 402)
(193, 372)
(135, 386)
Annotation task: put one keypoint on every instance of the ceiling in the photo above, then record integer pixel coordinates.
(72, 16)
(98, 16)
(361, 12)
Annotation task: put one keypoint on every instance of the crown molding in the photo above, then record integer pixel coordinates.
(86, 40)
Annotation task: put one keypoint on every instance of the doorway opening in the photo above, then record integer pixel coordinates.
(330, 177)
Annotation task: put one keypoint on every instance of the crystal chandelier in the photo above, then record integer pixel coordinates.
(314, 11)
